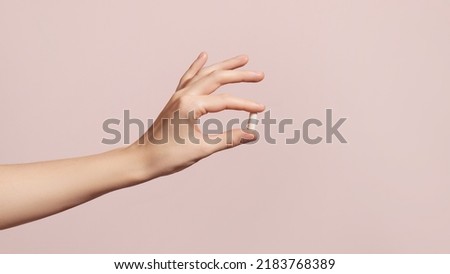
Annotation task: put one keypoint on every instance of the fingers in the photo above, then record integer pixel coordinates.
(216, 103)
(195, 67)
(201, 82)
(214, 80)
(229, 64)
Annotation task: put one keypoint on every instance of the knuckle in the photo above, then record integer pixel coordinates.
(184, 102)
(196, 105)
(203, 72)
(216, 75)
(184, 78)
(189, 103)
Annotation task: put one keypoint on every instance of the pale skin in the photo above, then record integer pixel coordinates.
(35, 190)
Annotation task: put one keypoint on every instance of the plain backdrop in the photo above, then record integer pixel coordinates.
(66, 66)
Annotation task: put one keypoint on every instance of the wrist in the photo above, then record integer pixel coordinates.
(137, 165)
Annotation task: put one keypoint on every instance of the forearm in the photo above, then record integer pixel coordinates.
(32, 191)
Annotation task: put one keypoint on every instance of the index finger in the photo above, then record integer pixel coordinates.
(218, 78)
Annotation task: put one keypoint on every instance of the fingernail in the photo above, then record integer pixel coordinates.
(260, 106)
(248, 136)
(244, 57)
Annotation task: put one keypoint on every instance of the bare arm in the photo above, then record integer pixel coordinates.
(36, 190)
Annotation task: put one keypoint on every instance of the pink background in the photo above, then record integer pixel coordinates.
(66, 66)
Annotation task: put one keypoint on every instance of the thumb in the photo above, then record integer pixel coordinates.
(233, 138)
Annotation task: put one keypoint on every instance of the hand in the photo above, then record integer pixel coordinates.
(168, 147)
(36, 190)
